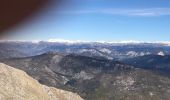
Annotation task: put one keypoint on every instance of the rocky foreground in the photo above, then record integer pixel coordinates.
(17, 85)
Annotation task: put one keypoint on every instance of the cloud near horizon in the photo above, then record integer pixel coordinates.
(147, 12)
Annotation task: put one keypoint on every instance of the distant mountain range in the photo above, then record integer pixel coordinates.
(91, 49)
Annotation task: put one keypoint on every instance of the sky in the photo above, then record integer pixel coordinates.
(99, 20)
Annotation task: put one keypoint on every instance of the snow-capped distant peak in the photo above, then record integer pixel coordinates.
(165, 43)
(161, 53)
(80, 41)
(132, 53)
(109, 42)
(67, 41)
(60, 40)
(105, 50)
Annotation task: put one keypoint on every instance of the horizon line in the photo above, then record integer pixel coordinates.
(82, 41)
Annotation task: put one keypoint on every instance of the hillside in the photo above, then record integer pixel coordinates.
(17, 85)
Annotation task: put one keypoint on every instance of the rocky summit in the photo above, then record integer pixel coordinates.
(17, 85)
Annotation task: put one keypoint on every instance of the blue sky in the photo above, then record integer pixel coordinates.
(100, 20)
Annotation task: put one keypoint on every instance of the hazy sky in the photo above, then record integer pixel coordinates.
(96, 20)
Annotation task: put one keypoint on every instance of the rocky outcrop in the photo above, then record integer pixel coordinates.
(17, 85)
